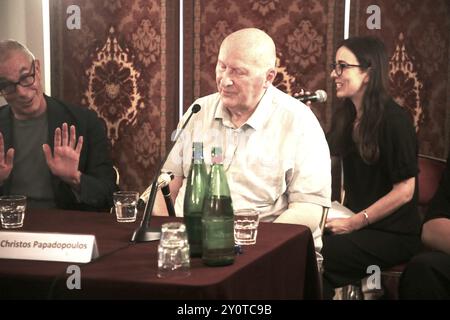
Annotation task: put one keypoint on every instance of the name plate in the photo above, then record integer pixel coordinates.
(48, 246)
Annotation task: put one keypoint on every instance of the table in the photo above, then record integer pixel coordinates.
(282, 265)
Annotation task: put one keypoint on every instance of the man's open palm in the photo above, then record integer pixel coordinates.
(66, 153)
(6, 160)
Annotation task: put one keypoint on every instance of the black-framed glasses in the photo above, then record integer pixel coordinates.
(339, 67)
(26, 80)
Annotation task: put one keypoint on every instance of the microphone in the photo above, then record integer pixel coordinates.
(165, 178)
(163, 181)
(168, 199)
(318, 96)
(144, 233)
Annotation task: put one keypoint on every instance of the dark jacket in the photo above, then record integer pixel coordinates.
(98, 176)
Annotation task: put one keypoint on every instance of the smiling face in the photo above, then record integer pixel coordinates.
(353, 81)
(26, 102)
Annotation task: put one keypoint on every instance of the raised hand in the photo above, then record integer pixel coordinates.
(66, 155)
(6, 161)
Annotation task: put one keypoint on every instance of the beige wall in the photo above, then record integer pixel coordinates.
(22, 20)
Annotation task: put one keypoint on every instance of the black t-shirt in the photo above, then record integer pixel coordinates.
(365, 184)
(440, 204)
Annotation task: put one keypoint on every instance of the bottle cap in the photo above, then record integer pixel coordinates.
(198, 150)
(216, 155)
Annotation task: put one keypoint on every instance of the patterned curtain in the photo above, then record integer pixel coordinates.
(417, 35)
(120, 61)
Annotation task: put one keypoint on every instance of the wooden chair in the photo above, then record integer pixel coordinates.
(323, 220)
(430, 173)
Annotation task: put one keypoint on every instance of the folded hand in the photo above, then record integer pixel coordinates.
(340, 225)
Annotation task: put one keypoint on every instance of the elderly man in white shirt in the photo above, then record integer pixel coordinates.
(276, 156)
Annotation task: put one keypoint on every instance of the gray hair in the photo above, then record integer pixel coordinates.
(9, 46)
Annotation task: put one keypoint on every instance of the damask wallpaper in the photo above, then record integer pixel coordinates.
(119, 61)
(417, 35)
(122, 62)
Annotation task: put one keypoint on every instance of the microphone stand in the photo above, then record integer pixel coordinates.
(144, 233)
(168, 199)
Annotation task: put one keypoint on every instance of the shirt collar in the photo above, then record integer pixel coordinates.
(257, 119)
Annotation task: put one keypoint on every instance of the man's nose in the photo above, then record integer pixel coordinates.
(226, 80)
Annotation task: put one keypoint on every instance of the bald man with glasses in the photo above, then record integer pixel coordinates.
(55, 154)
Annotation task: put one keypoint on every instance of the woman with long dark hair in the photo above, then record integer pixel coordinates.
(376, 141)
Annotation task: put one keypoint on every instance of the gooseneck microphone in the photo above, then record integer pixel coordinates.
(318, 96)
(163, 181)
(144, 233)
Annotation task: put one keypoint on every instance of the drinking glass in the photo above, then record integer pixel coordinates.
(173, 251)
(12, 211)
(246, 223)
(125, 203)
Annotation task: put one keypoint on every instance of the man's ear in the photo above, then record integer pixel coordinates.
(37, 66)
(270, 77)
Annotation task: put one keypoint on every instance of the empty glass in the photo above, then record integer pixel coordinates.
(246, 223)
(12, 211)
(173, 251)
(125, 203)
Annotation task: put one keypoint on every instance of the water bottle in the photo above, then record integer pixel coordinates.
(218, 217)
(196, 188)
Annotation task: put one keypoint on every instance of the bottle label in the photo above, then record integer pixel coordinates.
(193, 223)
(218, 233)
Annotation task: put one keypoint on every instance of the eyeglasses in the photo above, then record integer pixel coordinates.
(26, 80)
(339, 67)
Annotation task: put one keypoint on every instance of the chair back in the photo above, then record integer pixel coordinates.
(430, 173)
(117, 175)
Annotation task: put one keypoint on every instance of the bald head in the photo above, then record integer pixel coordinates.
(256, 46)
(245, 70)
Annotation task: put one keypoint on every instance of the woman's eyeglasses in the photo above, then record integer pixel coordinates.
(339, 67)
(24, 81)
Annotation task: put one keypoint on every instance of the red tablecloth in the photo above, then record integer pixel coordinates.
(281, 265)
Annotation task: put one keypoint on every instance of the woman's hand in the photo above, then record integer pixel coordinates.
(346, 225)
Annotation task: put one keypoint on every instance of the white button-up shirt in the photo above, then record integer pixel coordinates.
(279, 155)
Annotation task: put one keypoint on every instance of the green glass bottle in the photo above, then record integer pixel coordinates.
(218, 218)
(196, 188)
